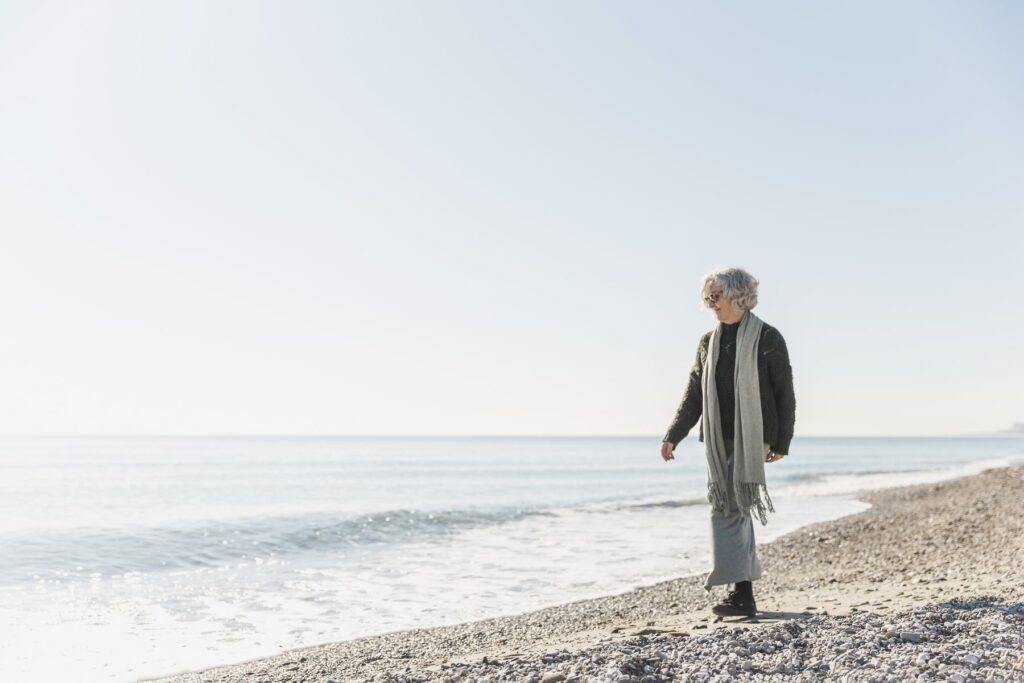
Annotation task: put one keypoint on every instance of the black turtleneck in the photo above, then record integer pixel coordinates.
(725, 372)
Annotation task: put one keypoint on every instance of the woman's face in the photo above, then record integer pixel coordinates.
(721, 305)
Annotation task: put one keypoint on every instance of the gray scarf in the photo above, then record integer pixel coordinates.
(748, 485)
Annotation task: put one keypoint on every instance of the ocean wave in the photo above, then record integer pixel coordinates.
(851, 482)
(675, 503)
(122, 550)
(841, 482)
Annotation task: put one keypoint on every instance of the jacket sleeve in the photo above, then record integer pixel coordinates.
(691, 406)
(781, 374)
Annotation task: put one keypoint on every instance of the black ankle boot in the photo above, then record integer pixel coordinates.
(739, 602)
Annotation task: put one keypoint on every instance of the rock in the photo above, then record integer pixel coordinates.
(553, 677)
(911, 637)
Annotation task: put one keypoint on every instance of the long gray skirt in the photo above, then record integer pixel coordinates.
(733, 549)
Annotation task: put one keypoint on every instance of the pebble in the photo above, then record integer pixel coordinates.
(831, 646)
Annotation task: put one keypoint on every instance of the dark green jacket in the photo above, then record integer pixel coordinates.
(778, 404)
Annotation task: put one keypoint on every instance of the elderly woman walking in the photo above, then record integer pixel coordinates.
(741, 388)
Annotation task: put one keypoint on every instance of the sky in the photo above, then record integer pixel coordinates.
(443, 217)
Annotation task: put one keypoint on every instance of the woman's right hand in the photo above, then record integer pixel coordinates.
(666, 451)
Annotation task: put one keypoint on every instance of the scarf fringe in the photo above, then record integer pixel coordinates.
(754, 498)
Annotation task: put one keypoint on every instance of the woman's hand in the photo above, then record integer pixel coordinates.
(666, 451)
(772, 456)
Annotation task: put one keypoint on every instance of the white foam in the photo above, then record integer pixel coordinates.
(853, 483)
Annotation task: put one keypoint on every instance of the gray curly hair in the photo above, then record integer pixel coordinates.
(738, 285)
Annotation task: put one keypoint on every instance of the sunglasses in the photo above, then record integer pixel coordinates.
(709, 300)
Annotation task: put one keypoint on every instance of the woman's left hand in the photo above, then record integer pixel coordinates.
(773, 456)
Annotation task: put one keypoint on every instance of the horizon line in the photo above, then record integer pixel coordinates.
(466, 436)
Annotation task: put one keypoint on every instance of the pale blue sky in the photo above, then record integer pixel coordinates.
(492, 218)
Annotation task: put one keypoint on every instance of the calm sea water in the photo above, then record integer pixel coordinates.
(143, 557)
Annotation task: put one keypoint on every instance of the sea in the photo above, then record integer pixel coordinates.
(127, 558)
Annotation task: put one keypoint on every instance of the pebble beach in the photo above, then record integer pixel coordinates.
(925, 585)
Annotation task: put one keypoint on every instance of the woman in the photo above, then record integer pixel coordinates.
(741, 388)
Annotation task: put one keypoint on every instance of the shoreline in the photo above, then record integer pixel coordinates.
(850, 566)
